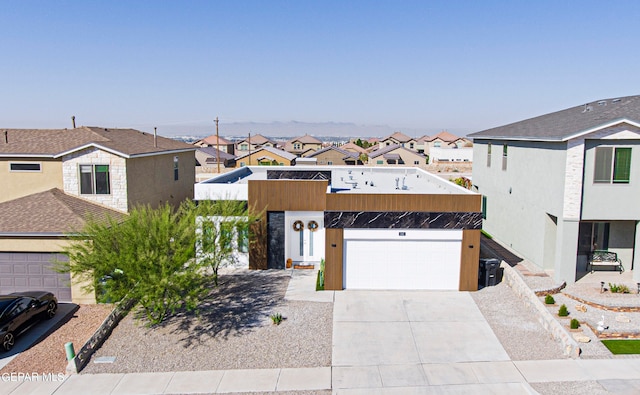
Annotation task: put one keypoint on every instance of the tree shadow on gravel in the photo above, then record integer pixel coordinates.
(240, 303)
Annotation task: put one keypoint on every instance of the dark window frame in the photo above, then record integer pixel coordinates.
(13, 165)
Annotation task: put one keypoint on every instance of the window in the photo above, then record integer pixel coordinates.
(94, 180)
(242, 164)
(329, 162)
(175, 168)
(379, 162)
(504, 157)
(297, 146)
(35, 167)
(416, 162)
(244, 147)
(484, 207)
(411, 145)
(436, 144)
(489, 155)
(612, 165)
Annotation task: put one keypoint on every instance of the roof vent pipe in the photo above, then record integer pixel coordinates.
(155, 137)
(73, 121)
(6, 137)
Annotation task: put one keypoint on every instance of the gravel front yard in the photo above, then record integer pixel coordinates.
(49, 356)
(515, 325)
(232, 331)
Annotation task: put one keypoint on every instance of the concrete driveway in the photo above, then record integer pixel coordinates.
(37, 332)
(417, 342)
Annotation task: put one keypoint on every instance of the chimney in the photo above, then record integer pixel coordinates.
(73, 121)
(155, 137)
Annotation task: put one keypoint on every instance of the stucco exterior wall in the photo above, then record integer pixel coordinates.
(332, 156)
(117, 199)
(32, 244)
(408, 157)
(611, 201)
(254, 159)
(17, 184)
(519, 198)
(151, 179)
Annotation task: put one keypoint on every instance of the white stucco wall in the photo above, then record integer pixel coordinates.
(451, 154)
(117, 199)
(519, 198)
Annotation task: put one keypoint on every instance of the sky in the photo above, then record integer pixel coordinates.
(462, 66)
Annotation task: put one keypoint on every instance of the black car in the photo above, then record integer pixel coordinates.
(20, 311)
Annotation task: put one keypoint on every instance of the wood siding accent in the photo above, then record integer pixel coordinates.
(279, 195)
(333, 259)
(469, 260)
(288, 195)
(408, 202)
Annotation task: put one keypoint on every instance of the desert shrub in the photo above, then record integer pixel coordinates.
(276, 318)
(562, 311)
(575, 324)
(549, 299)
(618, 288)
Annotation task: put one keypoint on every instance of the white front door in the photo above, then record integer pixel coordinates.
(306, 241)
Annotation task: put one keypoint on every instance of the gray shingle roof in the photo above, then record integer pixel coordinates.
(283, 154)
(50, 212)
(54, 142)
(347, 154)
(565, 124)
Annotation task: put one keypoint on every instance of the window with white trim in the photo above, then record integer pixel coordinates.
(176, 166)
(94, 180)
(612, 165)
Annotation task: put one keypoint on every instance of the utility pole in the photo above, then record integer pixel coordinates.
(249, 148)
(217, 145)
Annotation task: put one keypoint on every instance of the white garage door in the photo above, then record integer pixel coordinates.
(402, 259)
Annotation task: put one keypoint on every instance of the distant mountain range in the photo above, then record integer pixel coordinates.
(294, 128)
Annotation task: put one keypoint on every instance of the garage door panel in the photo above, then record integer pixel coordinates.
(396, 264)
(33, 271)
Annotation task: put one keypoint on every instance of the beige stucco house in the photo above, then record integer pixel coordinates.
(266, 156)
(332, 156)
(398, 138)
(74, 172)
(303, 146)
(396, 155)
(252, 143)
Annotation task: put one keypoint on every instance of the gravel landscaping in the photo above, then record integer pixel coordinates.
(515, 325)
(232, 331)
(48, 356)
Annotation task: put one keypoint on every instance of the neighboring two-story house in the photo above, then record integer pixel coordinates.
(303, 146)
(51, 178)
(252, 143)
(331, 156)
(266, 156)
(559, 186)
(396, 155)
(399, 138)
(220, 143)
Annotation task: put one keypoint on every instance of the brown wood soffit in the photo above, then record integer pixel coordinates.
(402, 220)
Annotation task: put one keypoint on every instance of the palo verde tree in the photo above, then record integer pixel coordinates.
(147, 257)
(223, 233)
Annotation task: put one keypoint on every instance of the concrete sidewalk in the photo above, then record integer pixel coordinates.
(505, 377)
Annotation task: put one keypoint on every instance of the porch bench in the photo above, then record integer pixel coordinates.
(604, 258)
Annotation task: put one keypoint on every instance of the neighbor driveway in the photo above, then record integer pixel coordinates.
(412, 341)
